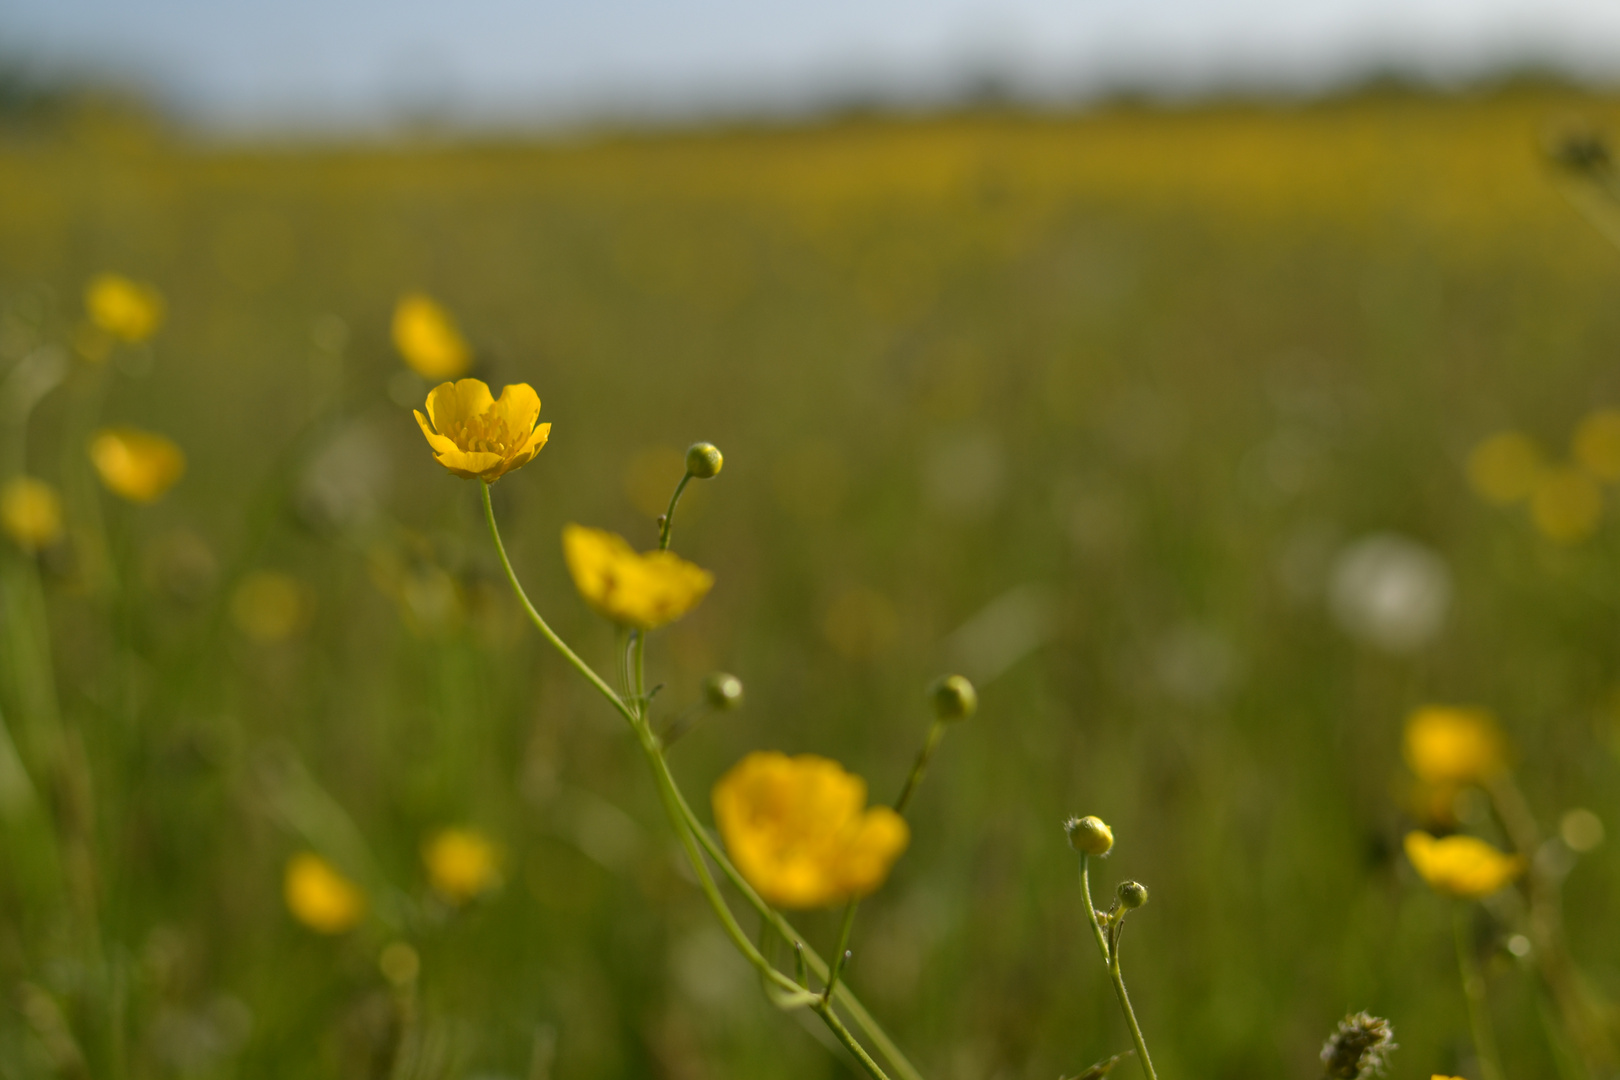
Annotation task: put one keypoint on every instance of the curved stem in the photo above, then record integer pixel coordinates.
(668, 523)
(1110, 956)
(540, 624)
(1479, 1021)
(920, 766)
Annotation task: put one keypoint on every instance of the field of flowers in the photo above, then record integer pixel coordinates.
(1255, 462)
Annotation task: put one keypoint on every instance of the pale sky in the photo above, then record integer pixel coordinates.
(344, 62)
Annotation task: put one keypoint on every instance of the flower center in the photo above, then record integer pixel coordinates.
(485, 433)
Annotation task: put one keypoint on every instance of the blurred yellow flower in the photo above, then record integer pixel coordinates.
(480, 436)
(1566, 505)
(30, 513)
(1447, 745)
(799, 830)
(1461, 866)
(269, 606)
(320, 897)
(427, 337)
(645, 591)
(137, 465)
(461, 864)
(128, 310)
(1505, 467)
(1597, 444)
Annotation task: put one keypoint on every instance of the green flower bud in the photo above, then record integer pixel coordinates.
(1089, 835)
(1132, 894)
(723, 692)
(703, 460)
(954, 698)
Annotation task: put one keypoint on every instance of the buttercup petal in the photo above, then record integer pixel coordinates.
(441, 444)
(519, 406)
(460, 400)
(468, 464)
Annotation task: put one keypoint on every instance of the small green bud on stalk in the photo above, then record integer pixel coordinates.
(1089, 835)
(954, 698)
(703, 460)
(722, 692)
(1131, 894)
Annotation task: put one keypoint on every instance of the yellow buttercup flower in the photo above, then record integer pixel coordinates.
(128, 310)
(320, 897)
(1461, 866)
(1566, 505)
(461, 864)
(645, 591)
(30, 513)
(1597, 444)
(799, 830)
(269, 606)
(1505, 468)
(427, 337)
(1447, 745)
(473, 434)
(137, 465)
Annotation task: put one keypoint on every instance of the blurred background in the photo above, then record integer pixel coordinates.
(1212, 383)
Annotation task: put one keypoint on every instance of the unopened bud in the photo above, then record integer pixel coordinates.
(1089, 835)
(703, 460)
(1132, 894)
(954, 698)
(723, 692)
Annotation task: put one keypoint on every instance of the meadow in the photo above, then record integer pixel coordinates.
(1097, 408)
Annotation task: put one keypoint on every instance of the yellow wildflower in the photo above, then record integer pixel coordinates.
(320, 897)
(1566, 505)
(137, 465)
(645, 591)
(478, 435)
(461, 864)
(128, 310)
(1447, 745)
(270, 606)
(1461, 866)
(30, 513)
(1597, 444)
(1505, 467)
(799, 831)
(427, 337)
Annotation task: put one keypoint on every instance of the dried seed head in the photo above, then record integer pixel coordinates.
(1360, 1048)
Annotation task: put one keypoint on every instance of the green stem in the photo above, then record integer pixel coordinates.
(841, 951)
(852, 1044)
(1479, 1022)
(668, 523)
(1110, 957)
(540, 624)
(920, 766)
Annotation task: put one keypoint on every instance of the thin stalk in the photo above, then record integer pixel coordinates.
(852, 1044)
(668, 523)
(841, 952)
(1473, 984)
(1110, 957)
(540, 624)
(920, 766)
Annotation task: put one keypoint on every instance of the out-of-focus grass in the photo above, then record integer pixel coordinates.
(1118, 384)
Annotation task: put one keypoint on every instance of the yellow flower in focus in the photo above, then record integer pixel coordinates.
(137, 465)
(1505, 468)
(1461, 866)
(128, 310)
(473, 434)
(1448, 745)
(269, 606)
(799, 830)
(427, 337)
(1597, 444)
(320, 897)
(30, 513)
(644, 591)
(461, 864)
(1566, 505)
